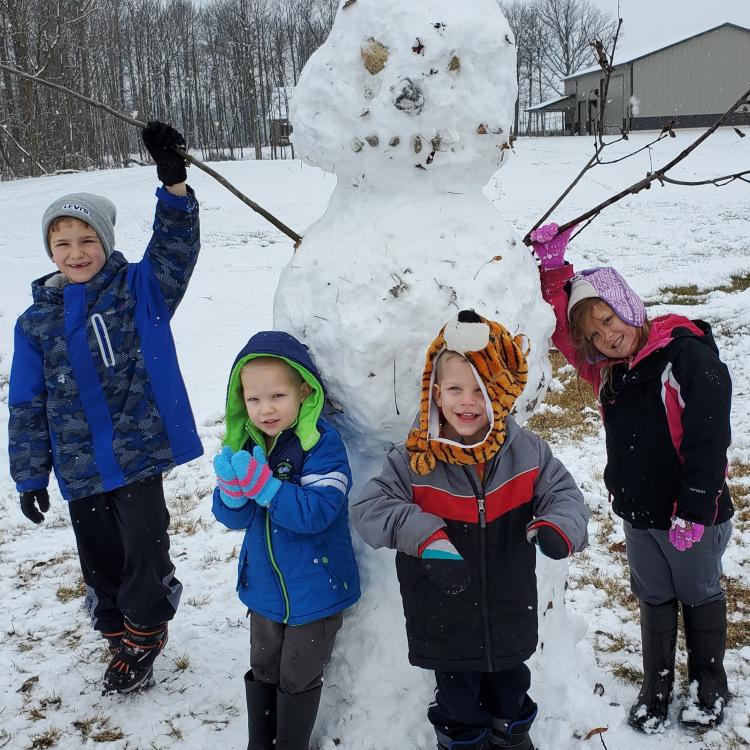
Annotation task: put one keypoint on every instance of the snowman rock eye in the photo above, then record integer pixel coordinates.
(374, 56)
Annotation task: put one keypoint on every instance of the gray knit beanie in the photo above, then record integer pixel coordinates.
(96, 210)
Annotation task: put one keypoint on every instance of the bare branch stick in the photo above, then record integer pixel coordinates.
(606, 66)
(138, 124)
(645, 183)
(718, 181)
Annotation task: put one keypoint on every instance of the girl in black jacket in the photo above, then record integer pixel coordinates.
(665, 399)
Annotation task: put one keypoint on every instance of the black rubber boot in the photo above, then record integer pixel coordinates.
(132, 665)
(261, 713)
(514, 733)
(295, 718)
(478, 741)
(706, 636)
(659, 637)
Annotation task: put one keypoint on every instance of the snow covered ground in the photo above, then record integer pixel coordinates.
(51, 662)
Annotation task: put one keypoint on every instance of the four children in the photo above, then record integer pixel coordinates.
(97, 397)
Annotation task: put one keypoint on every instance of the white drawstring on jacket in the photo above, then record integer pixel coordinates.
(102, 338)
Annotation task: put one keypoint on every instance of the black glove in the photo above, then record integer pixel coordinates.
(551, 544)
(161, 139)
(29, 501)
(450, 576)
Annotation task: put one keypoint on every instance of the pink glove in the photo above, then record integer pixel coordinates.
(683, 534)
(550, 246)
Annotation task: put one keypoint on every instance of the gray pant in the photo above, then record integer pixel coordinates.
(659, 573)
(292, 656)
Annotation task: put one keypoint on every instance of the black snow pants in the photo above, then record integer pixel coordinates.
(123, 547)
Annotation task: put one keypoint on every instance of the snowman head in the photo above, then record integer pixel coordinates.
(404, 93)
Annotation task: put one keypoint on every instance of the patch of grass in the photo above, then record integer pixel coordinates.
(188, 526)
(691, 294)
(181, 663)
(616, 642)
(739, 469)
(66, 593)
(199, 601)
(45, 739)
(616, 589)
(174, 732)
(738, 611)
(98, 729)
(570, 410)
(605, 530)
(628, 673)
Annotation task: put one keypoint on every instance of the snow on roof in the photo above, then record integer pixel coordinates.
(626, 57)
(549, 103)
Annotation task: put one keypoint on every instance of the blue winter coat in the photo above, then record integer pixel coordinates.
(297, 563)
(95, 387)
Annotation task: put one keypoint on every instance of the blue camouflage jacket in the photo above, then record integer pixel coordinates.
(95, 387)
(297, 563)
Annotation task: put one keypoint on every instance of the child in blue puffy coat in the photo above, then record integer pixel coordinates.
(283, 476)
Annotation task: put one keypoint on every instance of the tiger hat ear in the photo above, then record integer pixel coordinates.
(499, 360)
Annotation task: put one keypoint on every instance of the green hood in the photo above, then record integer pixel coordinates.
(239, 426)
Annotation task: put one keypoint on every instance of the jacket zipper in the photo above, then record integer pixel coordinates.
(277, 570)
(481, 498)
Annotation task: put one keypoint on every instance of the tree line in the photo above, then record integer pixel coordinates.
(220, 70)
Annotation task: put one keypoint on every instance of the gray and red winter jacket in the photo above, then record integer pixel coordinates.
(666, 419)
(492, 625)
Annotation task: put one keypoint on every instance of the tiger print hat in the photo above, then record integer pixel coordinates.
(499, 365)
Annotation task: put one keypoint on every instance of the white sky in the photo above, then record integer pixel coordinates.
(647, 22)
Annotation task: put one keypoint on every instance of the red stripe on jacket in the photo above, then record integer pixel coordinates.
(512, 494)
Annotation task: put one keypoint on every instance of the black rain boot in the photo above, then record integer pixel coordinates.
(132, 665)
(475, 742)
(261, 713)
(514, 733)
(659, 637)
(295, 718)
(706, 636)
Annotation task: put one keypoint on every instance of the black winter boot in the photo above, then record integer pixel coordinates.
(514, 733)
(659, 637)
(295, 718)
(479, 741)
(132, 666)
(261, 713)
(706, 636)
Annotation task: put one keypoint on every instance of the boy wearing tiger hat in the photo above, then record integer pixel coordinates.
(462, 502)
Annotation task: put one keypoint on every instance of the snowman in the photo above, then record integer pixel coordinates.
(410, 105)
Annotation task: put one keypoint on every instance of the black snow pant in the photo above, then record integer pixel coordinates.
(123, 547)
(467, 702)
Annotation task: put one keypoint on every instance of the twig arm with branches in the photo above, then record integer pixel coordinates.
(140, 125)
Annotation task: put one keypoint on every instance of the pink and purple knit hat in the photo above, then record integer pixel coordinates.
(608, 285)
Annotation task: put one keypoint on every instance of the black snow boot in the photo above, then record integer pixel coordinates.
(514, 733)
(478, 741)
(132, 666)
(261, 713)
(706, 636)
(295, 718)
(113, 638)
(659, 637)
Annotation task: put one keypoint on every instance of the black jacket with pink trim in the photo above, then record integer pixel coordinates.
(492, 625)
(666, 418)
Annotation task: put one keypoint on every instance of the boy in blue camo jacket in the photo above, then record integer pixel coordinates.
(96, 395)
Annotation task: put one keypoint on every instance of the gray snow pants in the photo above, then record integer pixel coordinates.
(292, 656)
(659, 573)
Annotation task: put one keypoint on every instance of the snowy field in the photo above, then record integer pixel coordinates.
(51, 662)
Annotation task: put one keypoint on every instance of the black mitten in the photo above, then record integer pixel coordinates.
(29, 502)
(450, 576)
(161, 139)
(551, 544)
